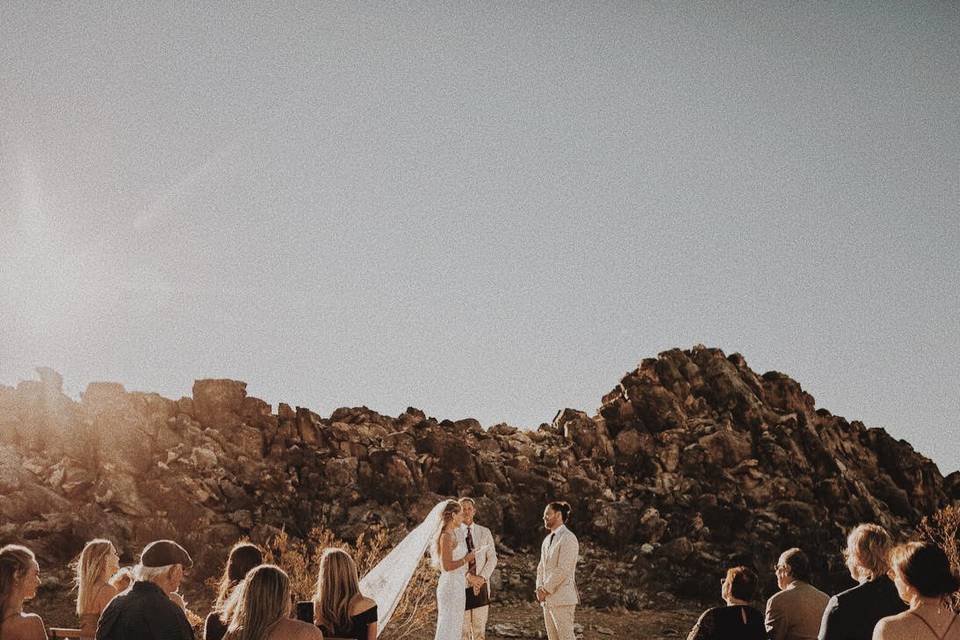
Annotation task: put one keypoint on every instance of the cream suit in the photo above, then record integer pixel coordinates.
(475, 620)
(555, 574)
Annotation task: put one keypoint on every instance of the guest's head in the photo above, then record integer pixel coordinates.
(792, 566)
(19, 577)
(262, 598)
(469, 508)
(337, 584)
(922, 570)
(868, 546)
(243, 557)
(739, 585)
(163, 563)
(555, 514)
(98, 562)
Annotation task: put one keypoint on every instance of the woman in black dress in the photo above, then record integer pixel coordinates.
(243, 557)
(338, 607)
(736, 620)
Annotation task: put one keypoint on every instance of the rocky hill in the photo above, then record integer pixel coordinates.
(693, 461)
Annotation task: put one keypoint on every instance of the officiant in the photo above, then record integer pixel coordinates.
(479, 539)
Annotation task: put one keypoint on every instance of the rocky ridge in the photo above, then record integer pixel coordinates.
(692, 462)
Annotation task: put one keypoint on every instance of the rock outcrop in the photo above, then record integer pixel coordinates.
(692, 462)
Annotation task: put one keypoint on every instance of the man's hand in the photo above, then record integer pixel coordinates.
(476, 582)
(542, 594)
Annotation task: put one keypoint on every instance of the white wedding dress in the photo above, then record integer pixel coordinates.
(451, 597)
(387, 581)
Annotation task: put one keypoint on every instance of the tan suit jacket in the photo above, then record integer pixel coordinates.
(557, 568)
(795, 612)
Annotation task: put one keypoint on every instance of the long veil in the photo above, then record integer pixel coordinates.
(387, 581)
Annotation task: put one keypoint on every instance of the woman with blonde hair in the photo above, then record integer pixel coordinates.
(19, 579)
(338, 607)
(852, 614)
(243, 557)
(924, 580)
(262, 609)
(97, 564)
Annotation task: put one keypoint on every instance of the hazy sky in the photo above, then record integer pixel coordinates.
(485, 209)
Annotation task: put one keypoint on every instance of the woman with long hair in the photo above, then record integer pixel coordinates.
(262, 609)
(338, 607)
(243, 557)
(97, 564)
(451, 556)
(19, 579)
(921, 572)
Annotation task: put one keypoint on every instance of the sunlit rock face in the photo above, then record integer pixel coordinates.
(691, 462)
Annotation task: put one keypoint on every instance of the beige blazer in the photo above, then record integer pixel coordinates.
(557, 568)
(487, 558)
(795, 612)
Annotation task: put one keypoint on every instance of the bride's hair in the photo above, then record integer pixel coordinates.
(337, 584)
(451, 509)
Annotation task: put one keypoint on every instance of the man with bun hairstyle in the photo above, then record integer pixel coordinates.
(556, 584)
(145, 611)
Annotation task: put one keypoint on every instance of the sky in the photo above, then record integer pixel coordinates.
(488, 210)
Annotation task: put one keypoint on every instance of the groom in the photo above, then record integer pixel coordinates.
(478, 577)
(556, 587)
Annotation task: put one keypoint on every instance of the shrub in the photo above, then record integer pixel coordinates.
(943, 528)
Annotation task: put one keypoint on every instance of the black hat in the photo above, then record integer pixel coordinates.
(162, 553)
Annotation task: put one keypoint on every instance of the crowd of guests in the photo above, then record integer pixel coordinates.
(253, 600)
(903, 593)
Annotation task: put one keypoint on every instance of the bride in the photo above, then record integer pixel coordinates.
(450, 555)
(387, 581)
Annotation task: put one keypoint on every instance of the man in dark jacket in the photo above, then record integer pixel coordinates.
(145, 611)
(853, 614)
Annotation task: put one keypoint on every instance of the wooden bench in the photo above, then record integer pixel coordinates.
(66, 633)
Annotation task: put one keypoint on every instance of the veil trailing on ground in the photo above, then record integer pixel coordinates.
(387, 581)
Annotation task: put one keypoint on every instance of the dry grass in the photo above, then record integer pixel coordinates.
(943, 528)
(301, 560)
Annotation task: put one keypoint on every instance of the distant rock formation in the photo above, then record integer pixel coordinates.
(692, 462)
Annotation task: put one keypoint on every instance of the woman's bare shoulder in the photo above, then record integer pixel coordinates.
(894, 627)
(29, 626)
(104, 596)
(360, 604)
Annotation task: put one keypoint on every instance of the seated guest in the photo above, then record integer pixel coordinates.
(794, 613)
(921, 573)
(736, 620)
(243, 557)
(262, 609)
(338, 607)
(145, 611)
(19, 579)
(97, 564)
(853, 614)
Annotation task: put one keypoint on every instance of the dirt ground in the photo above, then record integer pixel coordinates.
(506, 622)
(597, 624)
